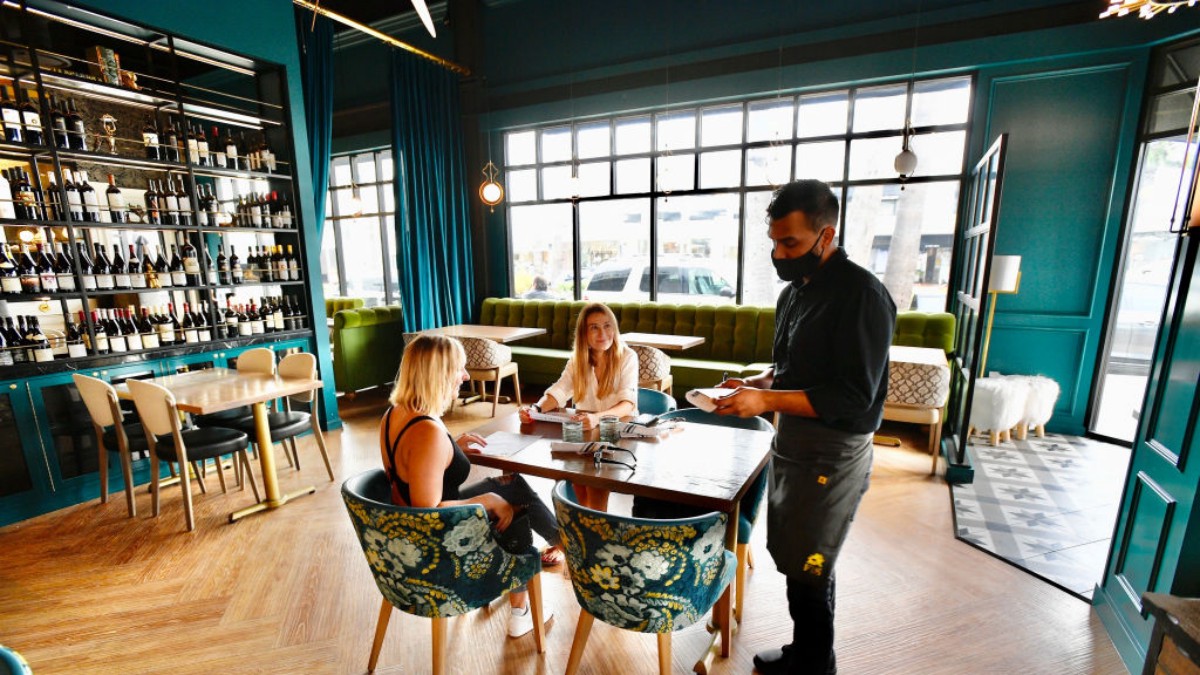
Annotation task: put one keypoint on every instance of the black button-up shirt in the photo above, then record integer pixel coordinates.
(831, 341)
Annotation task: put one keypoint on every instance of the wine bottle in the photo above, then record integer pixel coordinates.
(91, 203)
(10, 277)
(77, 132)
(168, 206)
(6, 357)
(191, 266)
(45, 268)
(163, 271)
(231, 150)
(133, 337)
(222, 267)
(245, 328)
(152, 204)
(64, 269)
(74, 196)
(30, 118)
(116, 201)
(217, 150)
(178, 274)
(193, 149)
(256, 210)
(293, 265)
(147, 330)
(102, 268)
(42, 351)
(31, 281)
(58, 125)
(16, 341)
(289, 318)
(183, 197)
(120, 271)
(190, 334)
(137, 278)
(25, 202)
(86, 269)
(230, 318)
(236, 274)
(166, 329)
(176, 326)
(243, 152)
(75, 337)
(10, 114)
(6, 196)
(277, 313)
(171, 147)
(51, 203)
(101, 334)
(116, 339)
(282, 271)
(203, 323)
(202, 147)
(150, 139)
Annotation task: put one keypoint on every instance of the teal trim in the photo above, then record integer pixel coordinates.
(1130, 648)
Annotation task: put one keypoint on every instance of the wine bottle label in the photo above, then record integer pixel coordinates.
(116, 201)
(6, 357)
(49, 282)
(105, 282)
(166, 333)
(219, 159)
(134, 342)
(193, 151)
(102, 343)
(31, 283)
(164, 280)
(150, 341)
(277, 319)
(149, 139)
(10, 284)
(66, 282)
(89, 282)
(190, 335)
(257, 327)
(172, 203)
(32, 119)
(123, 281)
(191, 266)
(179, 278)
(74, 204)
(137, 280)
(117, 344)
(43, 354)
(12, 118)
(205, 335)
(185, 203)
(239, 275)
(245, 328)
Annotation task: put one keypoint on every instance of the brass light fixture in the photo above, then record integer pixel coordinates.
(906, 161)
(491, 192)
(1144, 8)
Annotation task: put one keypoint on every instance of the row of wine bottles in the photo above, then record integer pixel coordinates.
(118, 331)
(21, 118)
(36, 271)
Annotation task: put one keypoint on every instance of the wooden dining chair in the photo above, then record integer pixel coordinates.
(170, 442)
(654, 368)
(258, 360)
(113, 433)
(288, 424)
(489, 361)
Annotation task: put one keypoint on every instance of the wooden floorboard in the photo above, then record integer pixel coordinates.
(87, 590)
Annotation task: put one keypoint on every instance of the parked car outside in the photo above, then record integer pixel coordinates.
(680, 280)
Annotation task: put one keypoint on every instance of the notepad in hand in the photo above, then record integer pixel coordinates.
(703, 398)
(556, 416)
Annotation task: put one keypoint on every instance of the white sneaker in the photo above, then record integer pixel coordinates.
(520, 621)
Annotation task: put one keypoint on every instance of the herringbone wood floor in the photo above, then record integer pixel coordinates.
(86, 590)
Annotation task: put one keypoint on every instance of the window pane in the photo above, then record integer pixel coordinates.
(761, 286)
(593, 140)
(363, 259)
(879, 108)
(633, 175)
(520, 147)
(346, 206)
(941, 101)
(822, 114)
(677, 172)
(556, 144)
(721, 126)
(824, 161)
(541, 246)
(770, 121)
(556, 182)
(769, 166)
(905, 237)
(676, 131)
(594, 179)
(1170, 112)
(633, 135)
(329, 270)
(389, 198)
(521, 186)
(340, 174)
(876, 158)
(721, 169)
(940, 153)
(370, 199)
(389, 231)
(386, 165)
(365, 166)
(615, 237)
(698, 248)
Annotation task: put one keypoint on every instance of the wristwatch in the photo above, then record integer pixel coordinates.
(536, 407)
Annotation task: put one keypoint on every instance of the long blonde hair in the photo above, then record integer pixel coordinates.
(608, 366)
(428, 377)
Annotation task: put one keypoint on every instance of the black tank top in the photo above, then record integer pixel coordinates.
(455, 475)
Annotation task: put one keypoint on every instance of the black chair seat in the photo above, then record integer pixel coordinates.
(134, 434)
(203, 443)
(283, 424)
(223, 418)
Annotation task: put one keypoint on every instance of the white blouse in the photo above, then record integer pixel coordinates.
(626, 389)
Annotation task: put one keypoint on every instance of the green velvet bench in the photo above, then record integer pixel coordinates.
(333, 305)
(367, 343)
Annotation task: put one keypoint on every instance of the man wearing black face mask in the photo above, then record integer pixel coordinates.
(833, 327)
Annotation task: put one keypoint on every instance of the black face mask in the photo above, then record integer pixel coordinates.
(794, 270)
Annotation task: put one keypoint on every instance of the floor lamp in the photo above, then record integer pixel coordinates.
(1005, 278)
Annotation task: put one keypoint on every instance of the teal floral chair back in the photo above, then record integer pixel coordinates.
(649, 576)
(436, 562)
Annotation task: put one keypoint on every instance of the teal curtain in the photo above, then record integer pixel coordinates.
(433, 229)
(316, 71)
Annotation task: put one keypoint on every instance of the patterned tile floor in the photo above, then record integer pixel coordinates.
(1045, 504)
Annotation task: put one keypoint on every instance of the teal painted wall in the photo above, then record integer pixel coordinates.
(264, 31)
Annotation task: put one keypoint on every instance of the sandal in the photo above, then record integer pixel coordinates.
(552, 556)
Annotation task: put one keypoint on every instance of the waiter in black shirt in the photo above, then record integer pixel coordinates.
(833, 326)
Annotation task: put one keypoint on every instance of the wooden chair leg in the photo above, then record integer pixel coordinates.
(517, 388)
(155, 492)
(103, 462)
(385, 614)
(496, 395)
(664, 654)
(935, 445)
(439, 645)
(248, 475)
(535, 606)
(316, 427)
(1040, 431)
(295, 455)
(185, 482)
(994, 438)
(198, 473)
(582, 629)
(739, 591)
(749, 557)
(221, 475)
(285, 454)
(127, 473)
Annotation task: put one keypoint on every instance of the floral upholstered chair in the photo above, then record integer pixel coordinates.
(436, 562)
(650, 576)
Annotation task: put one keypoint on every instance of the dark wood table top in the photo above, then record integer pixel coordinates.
(707, 466)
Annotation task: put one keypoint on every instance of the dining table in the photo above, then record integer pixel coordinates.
(212, 390)
(707, 466)
(663, 341)
(501, 334)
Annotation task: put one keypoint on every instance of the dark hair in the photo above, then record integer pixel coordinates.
(540, 283)
(810, 196)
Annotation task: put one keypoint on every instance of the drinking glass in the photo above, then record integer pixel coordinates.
(610, 429)
(572, 431)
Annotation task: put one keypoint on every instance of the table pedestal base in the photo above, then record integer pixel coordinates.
(268, 504)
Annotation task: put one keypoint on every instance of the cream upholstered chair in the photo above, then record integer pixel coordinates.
(112, 433)
(169, 441)
(489, 361)
(654, 368)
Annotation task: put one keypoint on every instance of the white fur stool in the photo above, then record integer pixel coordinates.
(1039, 404)
(998, 406)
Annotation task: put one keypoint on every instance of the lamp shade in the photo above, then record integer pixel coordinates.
(1005, 275)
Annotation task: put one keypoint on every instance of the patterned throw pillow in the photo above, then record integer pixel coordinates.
(918, 384)
(653, 364)
(485, 353)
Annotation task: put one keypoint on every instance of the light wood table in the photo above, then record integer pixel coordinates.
(500, 334)
(203, 392)
(707, 466)
(658, 341)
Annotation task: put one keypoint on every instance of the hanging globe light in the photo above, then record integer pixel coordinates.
(491, 192)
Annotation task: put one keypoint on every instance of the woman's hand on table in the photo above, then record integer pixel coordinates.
(468, 441)
(523, 413)
(590, 420)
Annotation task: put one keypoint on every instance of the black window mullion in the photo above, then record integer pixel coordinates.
(383, 238)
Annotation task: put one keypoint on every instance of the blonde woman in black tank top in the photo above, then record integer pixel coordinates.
(427, 467)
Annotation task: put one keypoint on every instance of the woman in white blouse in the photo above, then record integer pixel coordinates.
(601, 377)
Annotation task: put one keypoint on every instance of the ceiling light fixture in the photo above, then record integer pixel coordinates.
(491, 192)
(1145, 8)
(423, 12)
(906, 161)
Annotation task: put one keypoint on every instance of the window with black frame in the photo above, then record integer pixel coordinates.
(588, 198)
(359, 243)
